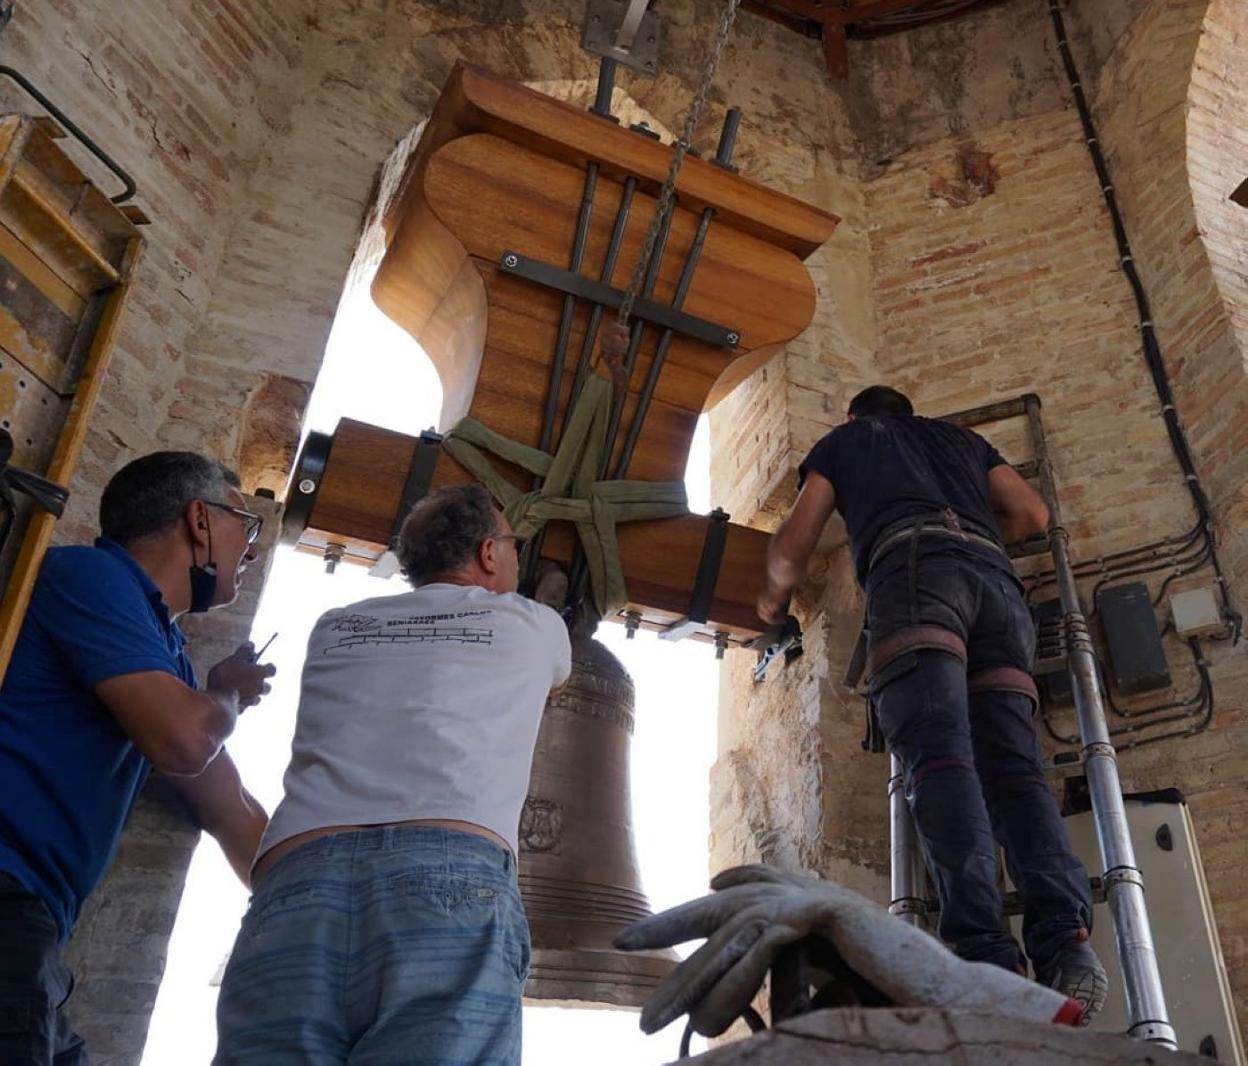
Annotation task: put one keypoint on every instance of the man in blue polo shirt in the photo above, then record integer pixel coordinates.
(100, 690)
(928, 507)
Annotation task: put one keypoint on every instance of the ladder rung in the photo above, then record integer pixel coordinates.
(1036, 545)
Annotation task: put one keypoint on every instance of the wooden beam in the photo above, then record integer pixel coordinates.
(813, 10)
(860, 10)
(773, 12)
(835, 51)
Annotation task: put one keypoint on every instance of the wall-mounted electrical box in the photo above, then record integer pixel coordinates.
(1051, 670)
(1195, 612)
(1137, 659)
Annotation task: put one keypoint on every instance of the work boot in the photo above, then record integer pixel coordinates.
(1076, 972)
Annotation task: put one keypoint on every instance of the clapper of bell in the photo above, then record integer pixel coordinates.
(510, 245)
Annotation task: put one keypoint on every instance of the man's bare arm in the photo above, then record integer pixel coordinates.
(1019, 509)
(224, 808)
(793, 543)
(179, 729)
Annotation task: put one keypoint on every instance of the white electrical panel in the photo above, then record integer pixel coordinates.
(1189, 956)
(1195, 612)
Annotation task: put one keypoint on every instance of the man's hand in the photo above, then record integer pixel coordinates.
(772, 606)
(240, 675)
(758, 910)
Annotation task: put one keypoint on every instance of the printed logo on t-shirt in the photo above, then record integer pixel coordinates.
(450, 628)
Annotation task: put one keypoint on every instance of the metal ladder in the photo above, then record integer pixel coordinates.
(1121, 884)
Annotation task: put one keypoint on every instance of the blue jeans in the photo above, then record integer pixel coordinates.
(400, 944)
(974, 772)
(34, 984)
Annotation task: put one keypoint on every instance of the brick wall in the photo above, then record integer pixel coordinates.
(1217, 160)
(183, 95)
(992, 271)
(974, 261)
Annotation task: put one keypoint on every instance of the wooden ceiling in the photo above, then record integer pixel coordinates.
(837, 20)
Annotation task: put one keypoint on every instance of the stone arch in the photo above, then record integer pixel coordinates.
(1163, 100)
(1217, 162)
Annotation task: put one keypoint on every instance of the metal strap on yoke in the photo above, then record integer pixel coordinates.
(704, 581)
(913, 638)
(419, 474)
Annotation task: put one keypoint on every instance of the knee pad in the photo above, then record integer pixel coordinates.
(894, 655)
(1005, 679)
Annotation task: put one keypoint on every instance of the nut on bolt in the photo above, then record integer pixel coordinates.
(733, 338)
(334, 551)
(511, 261)
(721, 643)
(632, 623)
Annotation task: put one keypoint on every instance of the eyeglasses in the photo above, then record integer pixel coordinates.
(520, 542)
(252, 522)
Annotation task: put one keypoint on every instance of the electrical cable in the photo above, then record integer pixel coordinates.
(1152, 349)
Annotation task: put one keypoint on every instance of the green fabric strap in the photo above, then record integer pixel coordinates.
(570, 491)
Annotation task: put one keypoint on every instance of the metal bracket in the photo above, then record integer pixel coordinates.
(599, 292)
(47, 494)
(704, 580)
(301, 497)
(623, 30)
(419, 474)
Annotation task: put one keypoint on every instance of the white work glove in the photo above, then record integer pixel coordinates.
(755, 911)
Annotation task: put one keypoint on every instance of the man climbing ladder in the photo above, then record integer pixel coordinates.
(928, 506)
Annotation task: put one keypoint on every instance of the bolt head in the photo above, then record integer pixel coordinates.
(732, 338)
(511, 260)
(307, 486)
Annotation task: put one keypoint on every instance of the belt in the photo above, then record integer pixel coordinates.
(940, 524)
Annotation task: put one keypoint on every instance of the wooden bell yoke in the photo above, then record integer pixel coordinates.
(509, 247)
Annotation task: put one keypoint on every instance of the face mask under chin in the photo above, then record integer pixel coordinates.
(203, 587)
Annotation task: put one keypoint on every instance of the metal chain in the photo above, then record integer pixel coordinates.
(668, 195)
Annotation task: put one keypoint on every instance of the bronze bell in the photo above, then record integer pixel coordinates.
(578, 869)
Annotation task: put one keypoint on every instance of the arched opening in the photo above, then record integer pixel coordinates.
(375, 370)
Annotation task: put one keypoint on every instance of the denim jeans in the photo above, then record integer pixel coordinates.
(974, 772)
(34, 985)
(400, 944)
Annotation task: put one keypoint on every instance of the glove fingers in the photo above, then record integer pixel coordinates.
(756, 873)
(735, 990)
(689, 921)
(685, 986)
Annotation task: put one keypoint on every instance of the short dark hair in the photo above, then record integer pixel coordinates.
(147, 496)
(880, 400)
(443, 530)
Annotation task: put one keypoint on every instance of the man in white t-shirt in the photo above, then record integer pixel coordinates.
(386, 924)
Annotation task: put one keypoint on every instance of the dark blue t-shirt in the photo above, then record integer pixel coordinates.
(68, 773)
(884, 468)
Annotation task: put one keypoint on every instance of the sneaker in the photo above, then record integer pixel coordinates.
(1077, 973)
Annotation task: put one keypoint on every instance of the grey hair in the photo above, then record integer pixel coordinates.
(443, 530)
(149, 495)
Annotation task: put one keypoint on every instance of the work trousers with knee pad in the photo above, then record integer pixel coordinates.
(951, 645)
